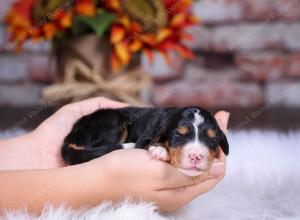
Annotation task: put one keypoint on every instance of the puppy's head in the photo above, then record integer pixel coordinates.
(192, 138)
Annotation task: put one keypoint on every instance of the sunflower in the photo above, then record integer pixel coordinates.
(132, 26)
(130, 35)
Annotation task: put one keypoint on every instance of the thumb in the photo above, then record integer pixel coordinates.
(222, 118)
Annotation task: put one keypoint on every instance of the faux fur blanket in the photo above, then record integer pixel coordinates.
(262, 183)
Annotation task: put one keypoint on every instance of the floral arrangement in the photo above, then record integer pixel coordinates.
(130, 26)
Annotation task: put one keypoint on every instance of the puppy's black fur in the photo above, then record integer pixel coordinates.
(107, 130)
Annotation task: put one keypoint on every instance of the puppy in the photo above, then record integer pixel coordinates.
(186, 137)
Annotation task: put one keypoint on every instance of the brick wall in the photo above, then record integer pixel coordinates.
(22, 75)
(248, 54)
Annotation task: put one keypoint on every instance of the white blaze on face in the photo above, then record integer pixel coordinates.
(195, 147)
(198, 119)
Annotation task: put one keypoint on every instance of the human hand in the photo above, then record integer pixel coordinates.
(49, 136)
(111, 177)
(134, 172)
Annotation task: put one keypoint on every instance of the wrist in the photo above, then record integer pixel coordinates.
(19, 153)
(91, 182)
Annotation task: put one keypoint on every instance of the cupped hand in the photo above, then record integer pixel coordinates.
(49, 136)
(136, 174)
(128, 172)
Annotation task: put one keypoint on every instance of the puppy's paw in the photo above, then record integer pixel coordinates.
(159, 153)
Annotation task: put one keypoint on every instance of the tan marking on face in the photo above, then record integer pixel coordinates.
(211, 133)
(183, 130)
(76, 147)
(175, 155)
(124, 136)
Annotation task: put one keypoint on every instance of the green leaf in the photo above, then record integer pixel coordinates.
(79, 28)
(99, 24)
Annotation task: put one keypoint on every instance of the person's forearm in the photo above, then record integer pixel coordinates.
(18, 153)
(74, 186)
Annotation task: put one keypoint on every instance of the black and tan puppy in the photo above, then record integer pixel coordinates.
(186, 137)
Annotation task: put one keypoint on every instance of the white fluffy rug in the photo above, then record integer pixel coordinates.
(262, 183)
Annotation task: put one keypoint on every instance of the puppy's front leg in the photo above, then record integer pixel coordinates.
(159, 153)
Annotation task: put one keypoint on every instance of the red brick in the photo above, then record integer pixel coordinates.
(261, 65)
(224, 11)
(202, 37)
(160, 70)
(283, 94)
(198, 73)
(220, 11)
(13, 68)
(258, 9)
(208, 94)
(40, 47)
(292, 36)
(289, 9)
(20, 95)
(293, 67)
(248, 36)
(271, 10)
(42, 68)
(243, 36)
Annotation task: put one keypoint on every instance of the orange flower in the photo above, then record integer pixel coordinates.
(115, 62)
(135, 46)
(163, 34)
(49, 29)
(85, 9)
(123, 53)
(66, 20)
(113, 4)
(22, 26)
(19, 21)
(127, 36)
(135, 39)
(117, 34)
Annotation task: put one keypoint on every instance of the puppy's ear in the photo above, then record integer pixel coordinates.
(162, 129)
(161, 132)
(224, 144)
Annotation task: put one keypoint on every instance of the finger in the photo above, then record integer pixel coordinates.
(194, 191)
(217, 169)
(172, 178)
(222, 118)
(188, 193)
(88, 106)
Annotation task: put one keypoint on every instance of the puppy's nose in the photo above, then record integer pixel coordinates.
(195, 158)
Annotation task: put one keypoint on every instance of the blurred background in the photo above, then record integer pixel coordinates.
(247, 62)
